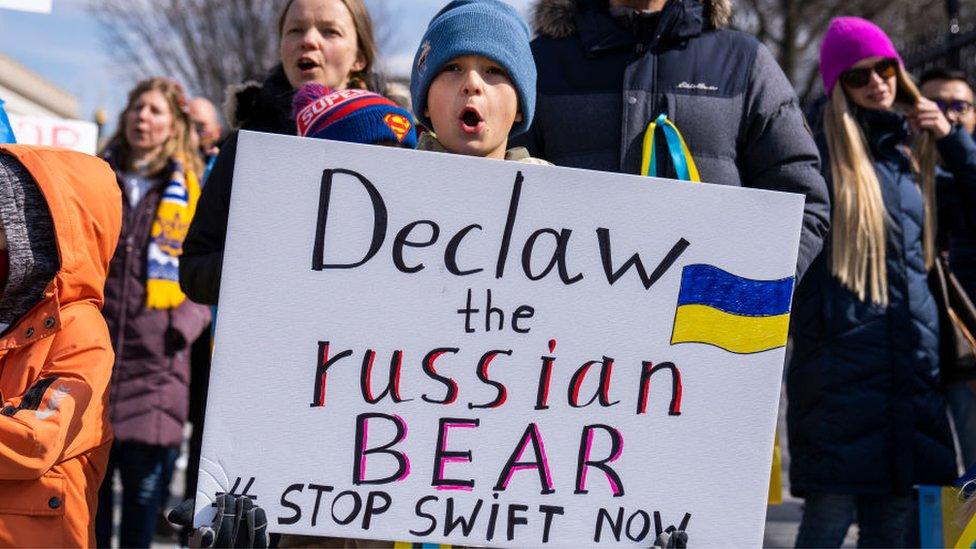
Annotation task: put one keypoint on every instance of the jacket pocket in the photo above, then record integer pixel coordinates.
(710, 127)
(32, 511)
(40, 497)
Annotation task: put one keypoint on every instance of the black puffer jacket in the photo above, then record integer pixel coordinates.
(866, 413)
(262, 107)
(957, 215)
(603, 78)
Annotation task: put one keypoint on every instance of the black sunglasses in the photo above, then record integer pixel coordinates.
(959, 107)
(858, 78)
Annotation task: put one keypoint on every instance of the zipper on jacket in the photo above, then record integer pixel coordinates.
(135, 219)
(127, 212)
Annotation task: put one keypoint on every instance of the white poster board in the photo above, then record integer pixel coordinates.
(39, 6)
(77, 135)
(481, 449)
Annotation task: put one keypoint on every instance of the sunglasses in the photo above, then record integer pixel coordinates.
(858, 78)
(959, 107)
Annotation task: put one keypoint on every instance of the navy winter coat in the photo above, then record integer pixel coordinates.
(957, 217)
(603, 77)
(866, 411)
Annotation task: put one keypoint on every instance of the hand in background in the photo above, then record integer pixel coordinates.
(926, 116)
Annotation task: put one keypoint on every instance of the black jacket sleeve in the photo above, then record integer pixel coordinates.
(203, 248)
(958, 152)
(777, 152)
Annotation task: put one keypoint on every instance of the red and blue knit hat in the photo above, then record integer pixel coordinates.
(354, 116)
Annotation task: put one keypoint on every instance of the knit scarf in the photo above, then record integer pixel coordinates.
(176, 209)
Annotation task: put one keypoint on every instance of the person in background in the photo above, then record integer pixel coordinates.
(206, 124)
(60, 213)
(951, 91)
(207, 131)
(867, 416)
(608, 68)
(326, 41)
(151, 322)
(957, 220)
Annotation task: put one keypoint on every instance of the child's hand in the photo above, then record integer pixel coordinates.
(926, 116)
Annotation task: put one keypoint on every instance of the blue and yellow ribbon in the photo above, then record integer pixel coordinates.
(684, 164)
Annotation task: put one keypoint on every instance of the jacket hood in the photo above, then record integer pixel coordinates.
(557, 18)
(69, 224)
(266, 106)
(261, 106)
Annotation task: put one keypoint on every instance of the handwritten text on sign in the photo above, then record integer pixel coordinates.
(430, 347)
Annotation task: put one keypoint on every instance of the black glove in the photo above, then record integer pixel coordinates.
(671, 537)
(237, 523)
(674, 539)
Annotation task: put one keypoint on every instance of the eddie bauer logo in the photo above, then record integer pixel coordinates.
(699, 86)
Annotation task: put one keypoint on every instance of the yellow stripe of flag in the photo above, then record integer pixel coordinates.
(735, 333)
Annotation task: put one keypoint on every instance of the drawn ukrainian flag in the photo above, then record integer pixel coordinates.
(737, 314)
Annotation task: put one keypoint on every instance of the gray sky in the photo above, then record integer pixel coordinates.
(65, 47)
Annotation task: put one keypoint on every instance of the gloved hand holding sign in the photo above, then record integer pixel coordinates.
(238, 522)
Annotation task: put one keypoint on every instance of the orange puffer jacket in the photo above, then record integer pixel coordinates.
(56, 356)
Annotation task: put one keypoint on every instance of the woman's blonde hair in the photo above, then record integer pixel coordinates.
(178, 146)
(858, 221)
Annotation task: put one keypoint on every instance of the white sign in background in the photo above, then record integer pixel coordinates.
(77, 135)
(265, 436)
(39, 6)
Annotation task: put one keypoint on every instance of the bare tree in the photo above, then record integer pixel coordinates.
(205, 44)
(793, 29)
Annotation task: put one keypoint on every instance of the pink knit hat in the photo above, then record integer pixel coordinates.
(847, 41)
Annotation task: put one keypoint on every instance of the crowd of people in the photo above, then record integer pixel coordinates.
(880, 396)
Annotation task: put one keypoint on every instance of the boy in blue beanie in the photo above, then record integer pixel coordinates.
(473, 80)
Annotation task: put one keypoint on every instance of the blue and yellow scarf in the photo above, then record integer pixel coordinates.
(173, 217)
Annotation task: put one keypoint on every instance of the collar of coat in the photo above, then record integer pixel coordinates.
(262, 106)
(590, 19)
(428, 142)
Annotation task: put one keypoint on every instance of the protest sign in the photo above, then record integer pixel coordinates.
(77, 135)
(39, 6)
(437, 348)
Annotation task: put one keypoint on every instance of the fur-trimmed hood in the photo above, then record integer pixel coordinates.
(261, 106)
(557, 18)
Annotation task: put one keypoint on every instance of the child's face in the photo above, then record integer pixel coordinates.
(473, 105)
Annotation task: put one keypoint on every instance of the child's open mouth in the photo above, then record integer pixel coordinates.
(471, 120)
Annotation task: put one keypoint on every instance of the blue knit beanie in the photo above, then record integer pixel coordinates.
(354, 116)
(490, 28)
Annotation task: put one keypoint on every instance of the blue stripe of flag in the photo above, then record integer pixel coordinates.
(708, 285)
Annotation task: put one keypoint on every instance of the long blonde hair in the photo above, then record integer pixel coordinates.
(858, 221)
(178, 146)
